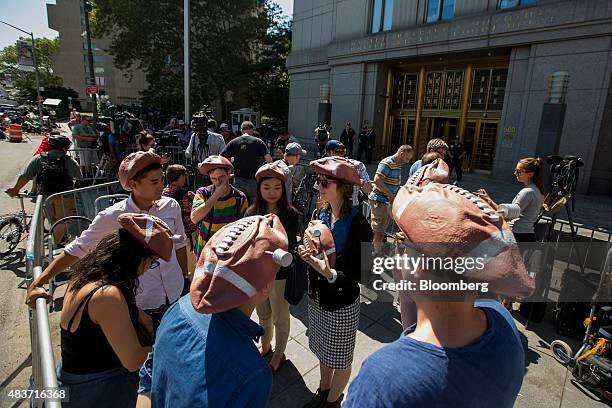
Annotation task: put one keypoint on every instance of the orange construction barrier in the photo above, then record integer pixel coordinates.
(15, 133)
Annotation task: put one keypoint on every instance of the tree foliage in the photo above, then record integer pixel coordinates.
(229, 41)
(25, 81)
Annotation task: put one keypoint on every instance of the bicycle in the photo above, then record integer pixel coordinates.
(12, 226)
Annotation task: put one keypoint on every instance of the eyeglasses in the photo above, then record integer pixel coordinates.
(324, 181)
(154, 264)
(518, 171)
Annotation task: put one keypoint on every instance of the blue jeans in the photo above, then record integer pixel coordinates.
(248, 186)
(113, 388)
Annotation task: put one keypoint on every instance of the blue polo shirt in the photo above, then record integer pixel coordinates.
(410, 373)
(391, 173)
(206, 360)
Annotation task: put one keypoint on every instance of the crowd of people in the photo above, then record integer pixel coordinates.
(163, 284)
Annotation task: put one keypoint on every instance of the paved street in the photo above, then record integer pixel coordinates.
(544, 384)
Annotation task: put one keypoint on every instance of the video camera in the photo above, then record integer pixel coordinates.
(167, 138)
(565, 173)
(322, 132)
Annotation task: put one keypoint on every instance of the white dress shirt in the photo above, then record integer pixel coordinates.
(215, 142)
(155, 284)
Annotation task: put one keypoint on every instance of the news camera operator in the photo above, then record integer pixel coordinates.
(203, 143)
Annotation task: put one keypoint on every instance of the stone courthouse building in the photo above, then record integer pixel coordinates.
(419, 69)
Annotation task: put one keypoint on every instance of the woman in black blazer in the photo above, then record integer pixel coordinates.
(333, 307)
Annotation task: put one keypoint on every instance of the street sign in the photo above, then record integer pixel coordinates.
(40, 98)
(91, 89)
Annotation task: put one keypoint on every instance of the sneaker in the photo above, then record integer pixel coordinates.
(318, 399)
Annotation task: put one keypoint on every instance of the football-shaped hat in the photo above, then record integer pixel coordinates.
(240, 260)
(339, 168)
(441, 220)
(434, 172)
(133, 163)
(150, 231)
(215, 162)
(270, 170)
(319, 239)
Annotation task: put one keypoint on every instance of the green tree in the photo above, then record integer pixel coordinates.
(269, 86)
(228, 41)
(25, 81)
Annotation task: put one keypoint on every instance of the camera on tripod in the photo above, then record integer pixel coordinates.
(565, 173)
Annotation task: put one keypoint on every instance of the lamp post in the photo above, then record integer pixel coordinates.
(186, 57)
(87, 7)
(38, 99)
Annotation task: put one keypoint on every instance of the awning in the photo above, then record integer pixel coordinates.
(52, 102)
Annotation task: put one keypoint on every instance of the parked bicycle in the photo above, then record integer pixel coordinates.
(12, 226)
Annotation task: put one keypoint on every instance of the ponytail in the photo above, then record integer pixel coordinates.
(534, 165)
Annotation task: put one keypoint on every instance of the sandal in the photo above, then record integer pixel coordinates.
(280, 365)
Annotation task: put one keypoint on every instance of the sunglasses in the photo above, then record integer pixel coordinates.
(324, 181)
(154, 264)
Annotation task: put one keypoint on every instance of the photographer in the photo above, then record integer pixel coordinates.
(202, 144)
(321, 137)
(523, 212)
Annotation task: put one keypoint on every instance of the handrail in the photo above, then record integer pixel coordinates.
(43, 361)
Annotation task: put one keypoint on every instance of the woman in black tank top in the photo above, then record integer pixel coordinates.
(105, 338)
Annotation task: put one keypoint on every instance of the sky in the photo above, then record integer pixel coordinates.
(31, 15)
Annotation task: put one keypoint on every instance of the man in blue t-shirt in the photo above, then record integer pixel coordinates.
(457, 355)
(434, 145)
(387, 181)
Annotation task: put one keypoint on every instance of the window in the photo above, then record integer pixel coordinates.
(504, 4)
(488, 89)
(99, 70)
(440, 10)
(382, 15)
(98, 58)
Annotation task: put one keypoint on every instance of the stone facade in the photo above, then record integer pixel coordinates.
(333, 44)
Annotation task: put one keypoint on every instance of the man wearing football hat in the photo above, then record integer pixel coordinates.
(216, 205)
(141, 174)
(336, 148)
(205, 353)
(460, 352)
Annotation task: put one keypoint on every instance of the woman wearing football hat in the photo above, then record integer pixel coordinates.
(105, 338)
(333, 307)
(273, 313)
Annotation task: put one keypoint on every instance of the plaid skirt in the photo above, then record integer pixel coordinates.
(332, 334)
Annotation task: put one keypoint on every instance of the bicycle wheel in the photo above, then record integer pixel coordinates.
(10, 235)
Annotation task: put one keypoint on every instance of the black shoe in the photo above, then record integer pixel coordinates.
(335, 404)
(318, 399)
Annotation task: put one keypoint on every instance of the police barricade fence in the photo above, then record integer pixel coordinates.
(43, 363)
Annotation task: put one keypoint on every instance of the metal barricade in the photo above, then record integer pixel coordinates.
(80, 201)
(43, 362)
(75, 209)
(89, 161)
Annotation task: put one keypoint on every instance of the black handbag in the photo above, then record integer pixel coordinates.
(297, 282)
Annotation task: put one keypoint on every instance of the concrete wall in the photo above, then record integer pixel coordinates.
(586, 60)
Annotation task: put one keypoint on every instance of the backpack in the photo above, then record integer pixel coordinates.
(53, 177)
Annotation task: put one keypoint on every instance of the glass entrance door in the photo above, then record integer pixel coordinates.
(484, 152)
(402, 132)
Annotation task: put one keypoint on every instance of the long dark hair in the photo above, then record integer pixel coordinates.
(260, 206)
(346, 191)
(534, 165)
(115, 261)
